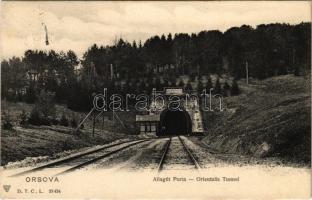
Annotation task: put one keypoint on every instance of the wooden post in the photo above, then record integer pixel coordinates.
(93, 125)
(84, 119)
(247, 72)
(197, 72)
(103, 122)
(112, 71)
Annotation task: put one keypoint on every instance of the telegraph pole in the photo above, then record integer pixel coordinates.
(197, 70)
(103, 122)
(93, 125)
(112, 71)
(247, 73)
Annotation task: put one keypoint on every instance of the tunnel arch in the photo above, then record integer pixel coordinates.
(174, 123)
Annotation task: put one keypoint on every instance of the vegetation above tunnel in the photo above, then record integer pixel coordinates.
(268, 50)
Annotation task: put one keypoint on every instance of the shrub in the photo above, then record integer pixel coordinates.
(34, 117)
(235, 89)
(30, 96)
(226, 89)
(55, 121)
(45, 104)
(200, 87)
(43, 112)
(188, 86)
(7, 124)
(73, 122)
(209, 84)
(37, 119)
(181, 84)
(23, 117)
(64, 120)
(192, 77)
(217, 87)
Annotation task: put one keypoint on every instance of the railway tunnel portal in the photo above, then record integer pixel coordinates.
(186, 120)
(174, 123)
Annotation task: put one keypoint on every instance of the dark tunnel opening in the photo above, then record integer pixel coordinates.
(175, 123)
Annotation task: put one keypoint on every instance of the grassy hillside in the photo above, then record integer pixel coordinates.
(33, 141)
(271, 118)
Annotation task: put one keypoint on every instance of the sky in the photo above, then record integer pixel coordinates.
(78, 25)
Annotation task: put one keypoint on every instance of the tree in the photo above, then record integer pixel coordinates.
(35, 118)
(188, 86)
(226, 89)
(43, 112)
(181, 84)
(200, 87)
(31, 95)
(45, 104)
(13, 73)
(173, 81)
(23, 117)
(235, 89)
(269, 49)
(7, 122)
(64, 120)
(217, 87)
(158, 84)
(192, 77)
(166, 83)
(73, 122)
(143, 87)
(209, 84)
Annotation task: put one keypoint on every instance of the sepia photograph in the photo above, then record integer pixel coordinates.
(155, 99)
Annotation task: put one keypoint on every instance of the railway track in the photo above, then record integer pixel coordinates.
(84, 157)
(164, 157)
(80, 160)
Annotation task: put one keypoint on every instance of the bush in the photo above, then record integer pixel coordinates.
(192, 77)
(30, 96)
(209, 84)
(181, 84)
(55, 121)
(235, 89)
(200, 87)
(36, 119)
(226, 89)
(45, 104)
(43, 112)
(64, 120)
(73, 122)
(23, 117)
(217, 87)
(188, 86)
(7, 124)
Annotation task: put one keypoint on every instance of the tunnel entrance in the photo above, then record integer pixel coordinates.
(175, 123)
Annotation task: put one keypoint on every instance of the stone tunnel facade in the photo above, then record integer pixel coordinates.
(172, 112)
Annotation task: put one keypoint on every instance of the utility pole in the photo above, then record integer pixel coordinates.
(113, 117)
(112, 71)
(197, 70)
(247, 73)
(103, 122)
(93, 125)
(91, 73)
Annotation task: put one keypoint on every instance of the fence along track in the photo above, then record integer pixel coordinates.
(62, 161)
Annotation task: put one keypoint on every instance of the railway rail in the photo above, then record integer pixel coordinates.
(80, 160)
(79, 156)
(186, 149)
